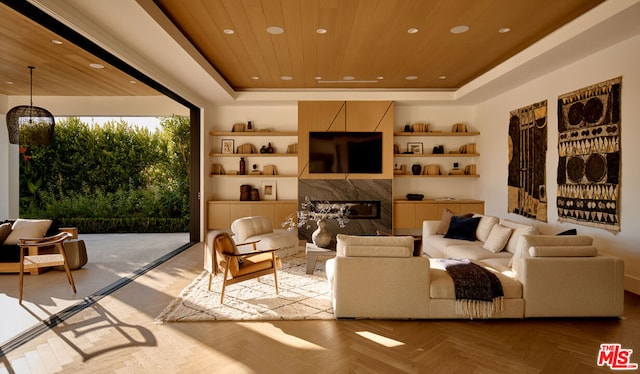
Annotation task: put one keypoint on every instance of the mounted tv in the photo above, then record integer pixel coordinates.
(345, 152)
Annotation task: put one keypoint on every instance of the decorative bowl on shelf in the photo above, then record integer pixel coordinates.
(415, 196)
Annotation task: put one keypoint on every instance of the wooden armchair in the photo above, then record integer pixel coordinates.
(37, 260)
(240, 266)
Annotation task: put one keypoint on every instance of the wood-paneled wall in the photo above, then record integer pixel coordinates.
(339, 116)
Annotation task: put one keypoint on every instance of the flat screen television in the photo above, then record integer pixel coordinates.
(345, 152)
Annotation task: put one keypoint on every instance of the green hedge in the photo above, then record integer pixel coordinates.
(126, 225)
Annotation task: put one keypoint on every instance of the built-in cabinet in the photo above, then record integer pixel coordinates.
(224, 205)
(410, 214)
(220, 214)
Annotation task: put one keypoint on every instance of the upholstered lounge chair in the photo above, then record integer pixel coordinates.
(221, 253)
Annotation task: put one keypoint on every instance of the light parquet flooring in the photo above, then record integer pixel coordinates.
(118, 335)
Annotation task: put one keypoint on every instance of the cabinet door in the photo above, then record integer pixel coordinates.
(427, 212)
(218, 215)
(404, 216)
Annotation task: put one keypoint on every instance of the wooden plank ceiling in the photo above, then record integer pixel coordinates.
(367, 43)
(60, 69)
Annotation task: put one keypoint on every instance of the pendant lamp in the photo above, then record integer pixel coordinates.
(28, 124)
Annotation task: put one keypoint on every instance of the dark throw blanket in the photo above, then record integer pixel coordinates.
(478, 291)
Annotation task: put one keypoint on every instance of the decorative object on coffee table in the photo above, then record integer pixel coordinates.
(319, 212)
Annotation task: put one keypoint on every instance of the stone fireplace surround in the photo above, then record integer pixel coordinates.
(360, 191)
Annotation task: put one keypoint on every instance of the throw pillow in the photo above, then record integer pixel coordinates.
(485, 226)
(568, 232)
(5, 230)
(27, 228)
(446, 220)
(498, 238)
(463, 228)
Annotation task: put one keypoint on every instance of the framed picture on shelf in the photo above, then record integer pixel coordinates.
(268, 189)
(414, 148)
(227, 145)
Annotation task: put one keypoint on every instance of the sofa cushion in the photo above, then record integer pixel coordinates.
(5, 230)
(563, 251)
(472, 251)
(344, 241)
(519, 229)
(484, 226)
(498, 238)
(463, 228)
(27, 228)
(527, 241)
(377, 251)
(442, 285)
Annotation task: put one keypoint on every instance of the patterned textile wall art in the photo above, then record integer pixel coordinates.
(589, 156)
(527, 191)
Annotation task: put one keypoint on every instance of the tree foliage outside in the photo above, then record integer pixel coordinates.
(110, 178)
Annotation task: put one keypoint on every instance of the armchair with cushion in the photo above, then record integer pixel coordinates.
(12, 230)
(221, 253)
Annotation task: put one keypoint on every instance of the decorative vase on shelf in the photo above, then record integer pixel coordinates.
(321, 237)
(416, 169)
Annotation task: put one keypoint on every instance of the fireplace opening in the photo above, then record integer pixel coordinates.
(361, 209)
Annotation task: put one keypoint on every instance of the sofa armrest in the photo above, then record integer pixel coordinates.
(376, 287)
(572, 286)
(563, 251)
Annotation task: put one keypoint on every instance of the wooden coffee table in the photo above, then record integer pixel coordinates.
(312, 255)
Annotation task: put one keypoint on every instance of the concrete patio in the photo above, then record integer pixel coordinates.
(112, 257)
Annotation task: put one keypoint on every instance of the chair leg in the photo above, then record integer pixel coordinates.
(210, 278)
(21, 278)
(66, 267)
(224, 280)
(275, 275)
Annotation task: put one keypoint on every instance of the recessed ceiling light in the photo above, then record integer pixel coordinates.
(228, 31)
(56, 41)
(504, 30)
(411, 77)
(286, 78)
(442, 77)
(321, 31)
(317, 78)
(9, 83)
(275, 30)
(348, 78)
(133, 82)
(96, 66)
(459, 29)
(255, 78)
(413, 30)
(380, 78)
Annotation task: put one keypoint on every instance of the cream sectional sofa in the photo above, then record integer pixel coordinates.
(544, 276)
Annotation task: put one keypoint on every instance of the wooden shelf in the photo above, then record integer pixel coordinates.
(253, 154)
(436, 154)
(252, 176)
(254, 133)
(435, 176)
(437, 133)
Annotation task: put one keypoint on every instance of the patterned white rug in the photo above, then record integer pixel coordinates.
(301, 296)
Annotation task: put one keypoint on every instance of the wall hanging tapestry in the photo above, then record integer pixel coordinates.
(527, 191)
(589, 155)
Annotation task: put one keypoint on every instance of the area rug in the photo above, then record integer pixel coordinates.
(301, 297)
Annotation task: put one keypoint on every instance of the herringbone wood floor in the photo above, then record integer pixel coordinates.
(118, 335)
